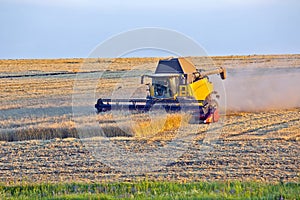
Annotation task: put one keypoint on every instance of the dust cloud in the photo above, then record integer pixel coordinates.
(259, 89)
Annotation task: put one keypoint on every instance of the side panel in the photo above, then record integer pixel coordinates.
(201, 89)
(151, 91)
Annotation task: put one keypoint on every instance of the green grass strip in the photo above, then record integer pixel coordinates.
(153, 190)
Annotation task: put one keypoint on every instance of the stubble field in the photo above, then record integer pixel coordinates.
(258, 137)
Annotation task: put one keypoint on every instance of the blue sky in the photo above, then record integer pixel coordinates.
(73, 28)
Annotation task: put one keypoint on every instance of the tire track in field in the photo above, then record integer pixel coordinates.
(45, 74)
(258, 125)
(263, 126)
(267, 128)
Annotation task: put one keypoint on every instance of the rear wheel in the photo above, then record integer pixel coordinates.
(208, 113)
(212, 113)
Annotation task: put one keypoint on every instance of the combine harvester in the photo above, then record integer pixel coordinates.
(176, 86)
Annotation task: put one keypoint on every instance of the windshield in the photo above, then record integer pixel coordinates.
(165, 87)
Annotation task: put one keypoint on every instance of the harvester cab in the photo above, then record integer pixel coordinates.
(163, 86)
(176, 83)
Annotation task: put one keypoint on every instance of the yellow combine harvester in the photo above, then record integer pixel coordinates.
(175, 86)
